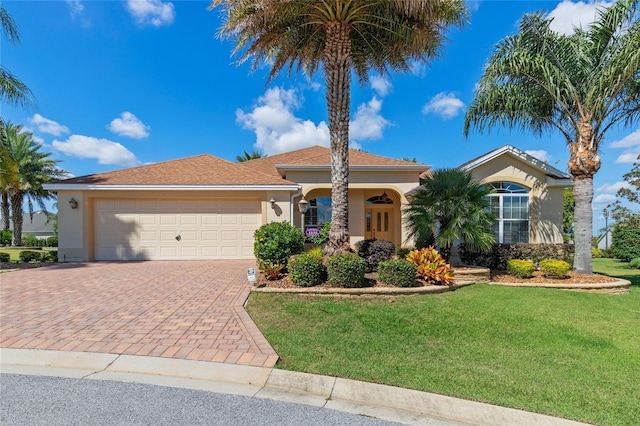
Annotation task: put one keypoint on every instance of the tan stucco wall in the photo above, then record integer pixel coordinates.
(545, 202)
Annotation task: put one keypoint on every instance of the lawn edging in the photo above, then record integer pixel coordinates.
(339, 291)
(621, 286)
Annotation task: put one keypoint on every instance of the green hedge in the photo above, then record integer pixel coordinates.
(5, 257)
(625, 239)
(397, 272)
(375, 251)
(276, 242)
(306, 270)
(500, 254)
(346, 270)
(30, 256)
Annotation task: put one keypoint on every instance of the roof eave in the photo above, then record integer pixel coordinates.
(94, 187)
(284, 168)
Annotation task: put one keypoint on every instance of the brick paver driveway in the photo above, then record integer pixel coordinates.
(178, 309)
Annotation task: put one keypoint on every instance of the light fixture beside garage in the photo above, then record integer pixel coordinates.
(73, 203)
(273, 203)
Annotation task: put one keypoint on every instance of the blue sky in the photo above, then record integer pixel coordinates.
(123, 83)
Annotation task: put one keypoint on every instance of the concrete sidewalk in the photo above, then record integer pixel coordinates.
(373, 400)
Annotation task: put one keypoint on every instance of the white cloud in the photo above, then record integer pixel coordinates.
(628, 157)
(104, 150)
(129, 125)
(540, 154)
(381, 85)
(604, 199)
(628, 141)
(77, 8)
(45, 125)
(278, 130)
(568, 15)
(445, 105)
(367, 122)
(38, 140)
(151, 12)
(418, 68)
(612, 187)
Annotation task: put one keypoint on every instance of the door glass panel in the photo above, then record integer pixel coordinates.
(368, 220)
(386, 221)
(378, 222)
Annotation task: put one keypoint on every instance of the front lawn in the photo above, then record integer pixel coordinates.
(569, 354)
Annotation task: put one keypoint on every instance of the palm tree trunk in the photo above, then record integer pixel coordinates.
(5, 211)
(338, 81)
(584, 162)
(16, 208)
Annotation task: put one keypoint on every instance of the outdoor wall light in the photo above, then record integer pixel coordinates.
(303, 205)
(73, 203)
(273, 203)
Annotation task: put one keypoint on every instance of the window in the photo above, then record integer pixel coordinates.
(510, 206)
(318, 212)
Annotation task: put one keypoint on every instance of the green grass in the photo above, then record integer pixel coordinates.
(568, 354)
(15, 252)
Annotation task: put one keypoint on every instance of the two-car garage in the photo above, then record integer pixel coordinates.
(174, 229)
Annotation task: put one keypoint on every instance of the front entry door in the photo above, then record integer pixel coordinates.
(378, 223)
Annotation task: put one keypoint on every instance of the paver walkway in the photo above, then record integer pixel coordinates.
(175, 309)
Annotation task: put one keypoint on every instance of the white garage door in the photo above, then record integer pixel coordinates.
(175, 229)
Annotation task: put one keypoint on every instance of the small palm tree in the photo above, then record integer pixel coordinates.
(246, 156)
(580, 85)
(23, 171)
(342, 36)
(12, 90)
(450, 206)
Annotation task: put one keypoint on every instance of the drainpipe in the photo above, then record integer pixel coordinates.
(292, 204)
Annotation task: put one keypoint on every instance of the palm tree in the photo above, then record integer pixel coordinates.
(246, 156)
(580, 85)
(12, 90)
(23, 171)
(450, 206)
(342, 36)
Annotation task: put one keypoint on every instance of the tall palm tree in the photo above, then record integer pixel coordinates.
(246, 156)
(450, 206)
(24, 168)
(342, 36)
(12, 90)
(580, 85)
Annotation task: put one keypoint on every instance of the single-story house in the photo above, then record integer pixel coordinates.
(37, 225)
(604, 241)
(204, 207)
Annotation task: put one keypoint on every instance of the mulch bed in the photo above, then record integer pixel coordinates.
(10, 266)
(539, 278)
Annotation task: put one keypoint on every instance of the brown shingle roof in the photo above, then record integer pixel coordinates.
(202, 169)
(318, 155)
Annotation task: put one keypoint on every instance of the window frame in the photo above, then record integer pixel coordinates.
(511, 191)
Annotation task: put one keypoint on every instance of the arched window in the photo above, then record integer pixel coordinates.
(380, 199)
(510, 206)
(318, 212)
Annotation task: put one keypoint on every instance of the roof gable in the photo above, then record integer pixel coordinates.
(518, 154)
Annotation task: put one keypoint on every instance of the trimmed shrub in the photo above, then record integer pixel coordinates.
(431, 266)
(323, 237)
(397, 272)
(554, 268)
(375, 251)
(346, 270)
(30, 241)
(635, 263)
(306, 270)
(597, 253)
(30, 256)
(276, 242)
(52, 241)
(625, 239)
(520, 268)
(6, 237)
(50, 256)
(5, 257)
(500, 254)
(402, 252)
(315, 251)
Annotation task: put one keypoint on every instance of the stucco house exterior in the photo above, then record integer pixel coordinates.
(204, 207)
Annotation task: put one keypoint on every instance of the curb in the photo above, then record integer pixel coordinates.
(368, 399)
(620, 286)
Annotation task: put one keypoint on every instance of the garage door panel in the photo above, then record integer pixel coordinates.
(146, 229)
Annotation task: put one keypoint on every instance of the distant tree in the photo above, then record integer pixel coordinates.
(24, 169)
(409, 159)
(619, 212)
(580, 85)
(450, 206)
(246, 156)
(12, 90)
(340, 37)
